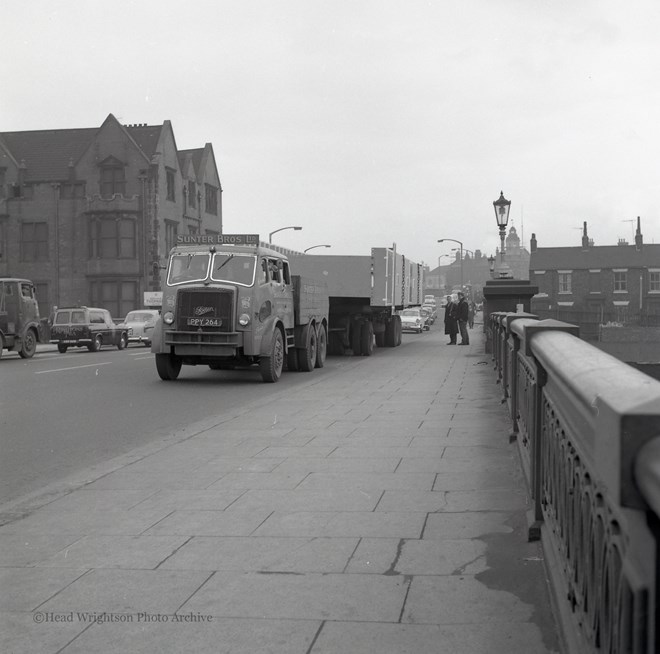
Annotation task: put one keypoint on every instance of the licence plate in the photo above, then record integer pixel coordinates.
(204, 322)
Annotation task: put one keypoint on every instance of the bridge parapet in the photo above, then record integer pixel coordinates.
(588, 431)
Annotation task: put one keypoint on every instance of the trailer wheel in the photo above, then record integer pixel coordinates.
(28, 345)
(390, 334)
(367, 339)
(307, 357)
(168, 366)
(271, 366)
(398, 331)
(380, 339)
(321, 346)
(356, 338)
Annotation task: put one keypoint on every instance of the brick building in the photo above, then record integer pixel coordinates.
(85, 213)
(594, 285)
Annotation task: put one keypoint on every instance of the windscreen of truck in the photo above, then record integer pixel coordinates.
(188, 267)
(234, 268)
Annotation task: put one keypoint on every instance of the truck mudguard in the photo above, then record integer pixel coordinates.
(272, 324)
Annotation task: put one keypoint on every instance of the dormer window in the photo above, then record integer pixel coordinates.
(113, 178)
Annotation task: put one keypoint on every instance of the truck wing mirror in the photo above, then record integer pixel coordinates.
(157, 267)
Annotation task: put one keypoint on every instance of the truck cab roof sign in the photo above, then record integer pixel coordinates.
(217, 239)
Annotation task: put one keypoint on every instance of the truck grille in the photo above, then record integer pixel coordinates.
(195, 307)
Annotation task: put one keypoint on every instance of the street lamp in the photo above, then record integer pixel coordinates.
(453, 240)
(315, 246)
(270, 236)
(502, 207)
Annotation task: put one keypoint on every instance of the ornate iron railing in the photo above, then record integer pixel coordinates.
(588, 431)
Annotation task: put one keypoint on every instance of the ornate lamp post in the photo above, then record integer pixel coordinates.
(315, 246)
(502, 207)
(270, 236)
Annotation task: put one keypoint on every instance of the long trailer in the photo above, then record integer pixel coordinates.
(365, 294)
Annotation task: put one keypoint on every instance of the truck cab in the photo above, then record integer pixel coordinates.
(20, 324)
(229, 302)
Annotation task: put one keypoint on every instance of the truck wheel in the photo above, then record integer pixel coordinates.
(367, 339)
(123, 342)
(321, 346)
(168, 366)
(356, 338)
(307, 357)
(390, 334)
(398, 331)
(96, 344)
(61, 348)
(271, 366)
(28, 345)
(292, 360)
(380, 339)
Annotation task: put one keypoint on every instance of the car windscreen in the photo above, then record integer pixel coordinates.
(188, 267)
(62, 318)
(234, 268)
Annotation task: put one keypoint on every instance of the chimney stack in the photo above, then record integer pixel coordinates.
(585, 238)
(532, 243)
(639, 241)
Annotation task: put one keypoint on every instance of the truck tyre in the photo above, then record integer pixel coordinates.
(168, 366)
(380, 339)
(271, 366)
(367, 339)
(28, 345)
(96, 344)
(356, 338)
(61, 348)
(390, 333)
(321, 346)
(292, 360)
(307, 356)
(398, 331)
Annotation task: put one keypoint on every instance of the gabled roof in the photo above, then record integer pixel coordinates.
(146, 137)
(48, 153)
(196, 156)
(595, 257)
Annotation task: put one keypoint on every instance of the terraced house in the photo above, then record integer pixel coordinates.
(594, 285)
(86, 213)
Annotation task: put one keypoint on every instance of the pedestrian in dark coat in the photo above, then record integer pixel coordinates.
(451, 326)
(462, 315)
(472, 309)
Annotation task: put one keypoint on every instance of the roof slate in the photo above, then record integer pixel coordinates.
(595, 257)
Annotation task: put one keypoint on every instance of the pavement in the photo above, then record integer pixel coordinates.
(380, 508)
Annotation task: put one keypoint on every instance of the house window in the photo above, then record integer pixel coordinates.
(654, 281)
(117, 296)
(211, 199)
(594, 281)
(34, 241)
(113, 238)
(192, 194)
(171, 232)
(73, 190)
(565, 282)
(170, 185)
(193, 229)
(620, 281)
(113, 180)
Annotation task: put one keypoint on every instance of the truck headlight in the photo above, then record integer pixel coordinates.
(244, 320)
(168, 318)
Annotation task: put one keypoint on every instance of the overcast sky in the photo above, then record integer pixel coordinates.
(370, 122)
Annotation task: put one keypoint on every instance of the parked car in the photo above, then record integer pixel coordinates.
(412, 320)
(88, 327)
(140, 325)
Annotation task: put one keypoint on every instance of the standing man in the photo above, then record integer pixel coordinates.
(462, 315)
(451, 326)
